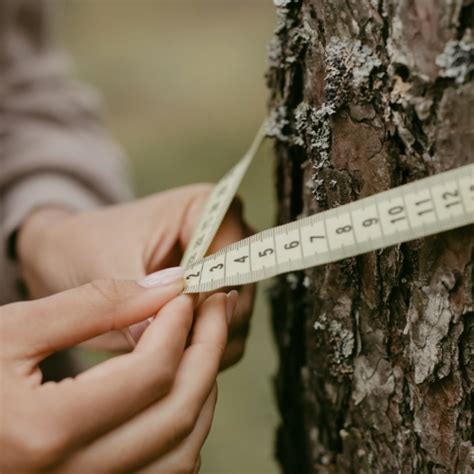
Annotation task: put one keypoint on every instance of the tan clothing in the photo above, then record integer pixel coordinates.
(53, 147)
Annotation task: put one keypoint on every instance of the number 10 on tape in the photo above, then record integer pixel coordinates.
(425, 207)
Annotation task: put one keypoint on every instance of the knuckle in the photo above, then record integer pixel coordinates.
(165, 380)
(240, 331)
(201, 192)
(238, 354)
(43, 446)
(190, 463)
(186, 424)
(235, 357)
(237, 205)
(107, 289)
(159, 384)
(234, 353)
(204, 189)
(185, 308)
(214, 392)
(197, 465)
(187, 466)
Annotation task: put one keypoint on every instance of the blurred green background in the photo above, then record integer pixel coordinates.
(184, 92)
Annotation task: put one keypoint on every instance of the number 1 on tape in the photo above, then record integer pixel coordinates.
(425, 207)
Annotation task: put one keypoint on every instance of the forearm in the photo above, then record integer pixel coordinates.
(54, 150)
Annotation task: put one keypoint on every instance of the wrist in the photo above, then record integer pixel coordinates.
(35, 229)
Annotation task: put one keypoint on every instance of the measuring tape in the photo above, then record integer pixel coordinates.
(425, 207)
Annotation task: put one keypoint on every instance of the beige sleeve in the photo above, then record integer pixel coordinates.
(53, 146)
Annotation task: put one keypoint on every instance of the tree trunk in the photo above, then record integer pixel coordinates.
(376, 352)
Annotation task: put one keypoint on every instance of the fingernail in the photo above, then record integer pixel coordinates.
(162, 278)
(136, 330)
(128, 336)
(231, 304)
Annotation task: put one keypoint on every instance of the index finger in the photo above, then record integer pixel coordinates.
(46, 325)
(112, 392)
(164, 424)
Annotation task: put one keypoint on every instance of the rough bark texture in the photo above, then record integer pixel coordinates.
(376, 352)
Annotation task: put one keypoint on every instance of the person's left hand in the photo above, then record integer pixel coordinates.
(58, 249)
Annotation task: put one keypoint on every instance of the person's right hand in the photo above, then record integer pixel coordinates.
(150, 409)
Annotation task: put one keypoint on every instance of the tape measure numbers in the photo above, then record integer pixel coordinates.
(425, 207)
(218, 203)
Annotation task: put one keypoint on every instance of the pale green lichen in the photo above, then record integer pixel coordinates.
(275, 52)
(312, 128)
(277, 122)
(282, 3)
(349, 67)
(345, 338)
(457, 61)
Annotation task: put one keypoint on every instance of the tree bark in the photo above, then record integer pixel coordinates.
(376, 352)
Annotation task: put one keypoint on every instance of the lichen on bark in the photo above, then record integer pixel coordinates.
(376, 352)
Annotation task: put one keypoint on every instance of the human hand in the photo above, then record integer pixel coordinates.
(59, 249)
(150, 409)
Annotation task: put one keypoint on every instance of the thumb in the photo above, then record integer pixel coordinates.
(73, 316)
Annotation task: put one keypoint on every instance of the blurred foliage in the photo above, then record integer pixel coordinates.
(184, 91)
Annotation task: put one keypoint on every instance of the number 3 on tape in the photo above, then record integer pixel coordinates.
(425, 207)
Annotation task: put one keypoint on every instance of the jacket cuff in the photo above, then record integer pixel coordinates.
(39, 190)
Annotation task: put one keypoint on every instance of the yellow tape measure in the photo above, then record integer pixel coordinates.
(425, 207)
